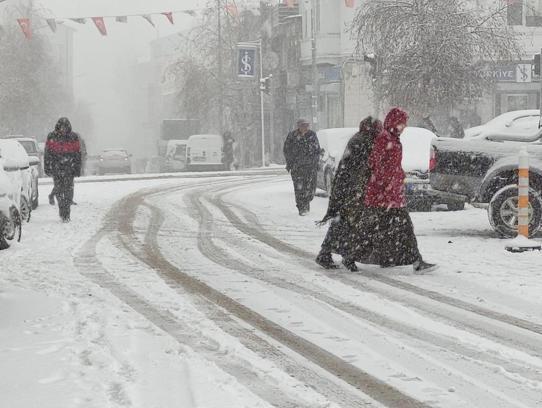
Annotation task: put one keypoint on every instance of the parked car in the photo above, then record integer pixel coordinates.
(486, 175)
(36, 165)
(16, 164)
(115, 161)
(509, 125)
(417, 155)
(10, 219)
(204, 152)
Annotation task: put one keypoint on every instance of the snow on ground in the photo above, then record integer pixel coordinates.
(86, 322)
(65, 342)
(474, 264)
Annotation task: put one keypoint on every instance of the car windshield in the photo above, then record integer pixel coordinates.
(29, 146)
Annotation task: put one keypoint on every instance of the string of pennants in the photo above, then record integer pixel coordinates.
(26, 23)
(231, 8)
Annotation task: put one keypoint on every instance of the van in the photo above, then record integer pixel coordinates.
(176, 155)
(204, 152)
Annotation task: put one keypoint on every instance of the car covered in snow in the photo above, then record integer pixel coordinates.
(417, 154)
(16, 163)
(509, 125)
(36, 164)
(10, 220)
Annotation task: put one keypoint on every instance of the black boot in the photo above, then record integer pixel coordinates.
(52, 199)
(421, 267)
(326, 261)
(350, 264)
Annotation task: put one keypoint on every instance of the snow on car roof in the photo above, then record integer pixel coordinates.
(13, 154)
(505, 117)
(416, 145)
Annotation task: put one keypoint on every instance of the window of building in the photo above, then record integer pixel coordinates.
(515, 12)
(533, 13)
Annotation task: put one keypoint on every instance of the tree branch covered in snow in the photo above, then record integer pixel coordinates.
(433, 51)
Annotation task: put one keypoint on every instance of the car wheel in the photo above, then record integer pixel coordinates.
(503, 212)
(456, 206)
(328, 179)
(26, 210)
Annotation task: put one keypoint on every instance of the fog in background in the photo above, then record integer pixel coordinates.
(103, 64)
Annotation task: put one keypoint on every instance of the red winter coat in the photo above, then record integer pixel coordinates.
(386, 187)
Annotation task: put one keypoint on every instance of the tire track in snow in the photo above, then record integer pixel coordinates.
(351, 375)
(530, 342)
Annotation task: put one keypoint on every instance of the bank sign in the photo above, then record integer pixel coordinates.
(510, 73)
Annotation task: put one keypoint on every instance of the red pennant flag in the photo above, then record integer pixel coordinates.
(169, 16)
(24, 23)
(290, 3)
(100, 25)
(350, 3)
(232, 10)
(51, 22)
(148, 17)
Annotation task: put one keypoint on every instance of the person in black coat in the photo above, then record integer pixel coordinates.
(345, 208)
(63, 163)
(302, 154)
(228, 151)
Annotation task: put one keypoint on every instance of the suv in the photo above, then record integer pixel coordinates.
(486, 174)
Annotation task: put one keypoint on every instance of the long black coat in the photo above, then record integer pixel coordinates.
(63, 152)
(353, 173)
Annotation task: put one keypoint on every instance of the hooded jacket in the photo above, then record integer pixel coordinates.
(63, 151)
(386, 186)
(353, 171)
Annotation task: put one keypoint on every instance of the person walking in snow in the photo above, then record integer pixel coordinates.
(346, 202)
(228, 151)
(63, 163)
(302, 154)
(52, 195)
(386, 215)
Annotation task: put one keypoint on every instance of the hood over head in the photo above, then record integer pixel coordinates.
(63, 123)
(370, 125)
(394, 118)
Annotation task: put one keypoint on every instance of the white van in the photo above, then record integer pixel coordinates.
(16, 164)
(204, 152)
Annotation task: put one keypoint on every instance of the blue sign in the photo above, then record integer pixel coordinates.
(246, 66)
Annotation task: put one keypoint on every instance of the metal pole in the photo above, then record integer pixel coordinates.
(220, 70)
(315, 83)
(262, 112)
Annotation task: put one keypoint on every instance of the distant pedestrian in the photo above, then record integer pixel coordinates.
(427, 123)
(302, 154)
(346, 206)
(456, 129)
(386, 215)
(63, 163)
(228, 149)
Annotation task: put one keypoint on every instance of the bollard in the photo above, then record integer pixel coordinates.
(522, 243)
(523, 187)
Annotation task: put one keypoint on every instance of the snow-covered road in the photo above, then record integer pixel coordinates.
(202, 292)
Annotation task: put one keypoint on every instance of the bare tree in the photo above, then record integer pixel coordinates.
(431, 53)
(30, 91)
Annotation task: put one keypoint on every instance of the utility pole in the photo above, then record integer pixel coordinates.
(220, 70)
(315, 79)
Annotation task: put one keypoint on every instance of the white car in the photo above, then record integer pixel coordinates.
(417, 156)
(16, 163)
(510, 126)
(10, 220)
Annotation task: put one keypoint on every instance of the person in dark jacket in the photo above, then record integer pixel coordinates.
(427, 123)
(63, 163)
(346, 205)
(456, 130)
(302, 154)
(52, 195)
(228, 151)
(386, 215)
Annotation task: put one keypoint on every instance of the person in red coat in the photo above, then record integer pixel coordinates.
(394, 241)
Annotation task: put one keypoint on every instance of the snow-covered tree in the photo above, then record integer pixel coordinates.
(431, 53)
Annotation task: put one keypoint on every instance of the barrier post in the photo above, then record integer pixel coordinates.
(522, 243)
